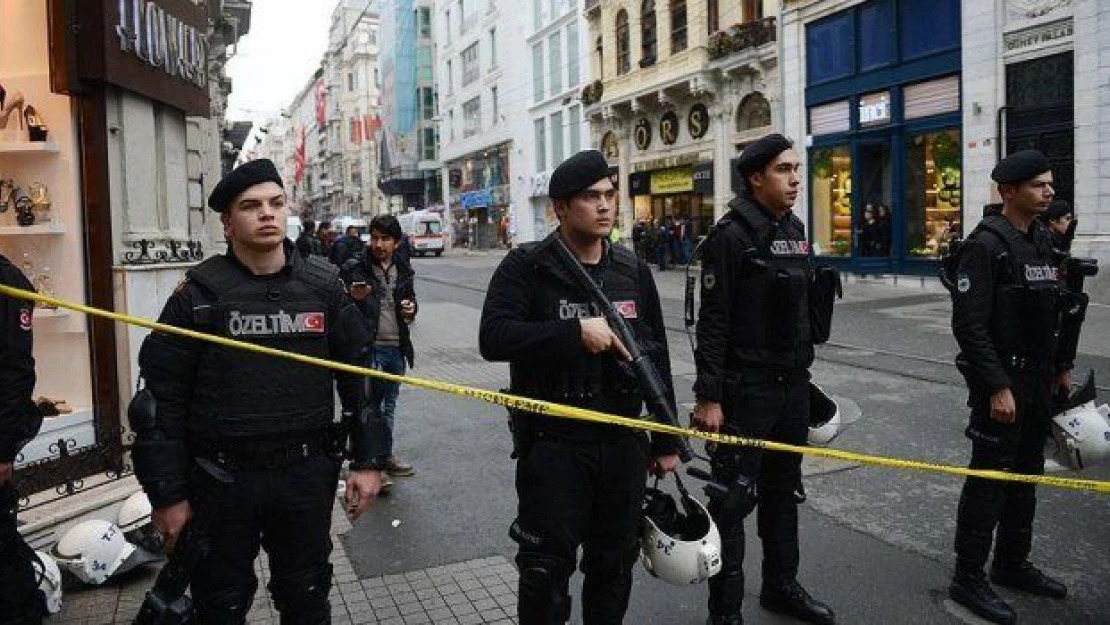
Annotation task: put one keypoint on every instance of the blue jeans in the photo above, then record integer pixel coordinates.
(390, 360)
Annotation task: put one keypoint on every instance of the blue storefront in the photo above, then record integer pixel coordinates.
(884, 159)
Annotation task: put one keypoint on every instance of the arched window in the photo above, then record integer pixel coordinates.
(623, 63)
(648, 48)
(678, 26)
(754, 112)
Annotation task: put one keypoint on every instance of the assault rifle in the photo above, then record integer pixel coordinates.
(1074, 309)
(651, 384)
(166, 603)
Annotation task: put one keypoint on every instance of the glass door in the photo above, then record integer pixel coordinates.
(872, 205)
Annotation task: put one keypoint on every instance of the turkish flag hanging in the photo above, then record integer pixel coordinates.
(298, 159)
(321, 104)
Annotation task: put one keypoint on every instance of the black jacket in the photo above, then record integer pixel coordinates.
(729, 295)
(985, 261)
(170, 366)
(359, 268)
(513, 329)
(19, 418)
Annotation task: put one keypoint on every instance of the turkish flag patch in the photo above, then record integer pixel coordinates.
(627, 309)
(314, 322)
(25, 319)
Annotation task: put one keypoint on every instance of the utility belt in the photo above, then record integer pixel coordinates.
(268, 455)
(527, 428)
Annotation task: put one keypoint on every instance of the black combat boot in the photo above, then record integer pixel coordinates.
(970, 589)
(791, 599)
(1025, 577)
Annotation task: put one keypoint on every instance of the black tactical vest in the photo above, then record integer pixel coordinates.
(770, 305)
(241, 393)
(1025, 313)
(594, 381)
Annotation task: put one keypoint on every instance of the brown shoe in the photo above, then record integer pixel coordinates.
(398, 468)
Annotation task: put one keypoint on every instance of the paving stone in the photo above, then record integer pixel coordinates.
(386, 613)
(477, 594)
(392, 621)
(417, 619)
(463, 608)
(379, 603)
(440, 614)
(448, 589)
(434, 602)
(410, 608)
(456, 599)
(484, 604)
(405, 597)
(471, 619)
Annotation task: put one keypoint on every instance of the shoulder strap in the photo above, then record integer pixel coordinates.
(762, 244)
(218, 275)
(990, 224)
(624, 257)
(319, 275)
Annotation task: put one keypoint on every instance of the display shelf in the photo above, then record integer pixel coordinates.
(23, 147)
(51, 228)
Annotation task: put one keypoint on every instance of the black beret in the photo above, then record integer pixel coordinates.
(1057, 209)
(577, 173)
(761, 152)
(1020, 166)
(240, 179)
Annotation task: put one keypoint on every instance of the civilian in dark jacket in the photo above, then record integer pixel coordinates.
(381, 282)
(307, 243)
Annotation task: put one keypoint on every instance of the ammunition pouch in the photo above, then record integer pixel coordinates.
(825, 289)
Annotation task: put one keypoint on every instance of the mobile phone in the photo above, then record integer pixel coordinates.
(360, 283)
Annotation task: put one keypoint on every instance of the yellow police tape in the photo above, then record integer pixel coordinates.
(559, 410)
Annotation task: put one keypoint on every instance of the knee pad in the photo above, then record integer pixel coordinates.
(543, 599)
(229, 605)
(302, 596)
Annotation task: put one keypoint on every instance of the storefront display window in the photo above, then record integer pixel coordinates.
(933, 192)
(831, 189)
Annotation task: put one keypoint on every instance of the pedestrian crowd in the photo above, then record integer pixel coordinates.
(247, 443)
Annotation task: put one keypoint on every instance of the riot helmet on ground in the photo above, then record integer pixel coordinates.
(824, 416)
(135, 522)
(1082, 430)
(49, 580)
(92, 550)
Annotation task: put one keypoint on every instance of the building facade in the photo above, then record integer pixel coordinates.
(408, 136)
(560, 69)
(679, 87)
(485, 124)
(1035, 77)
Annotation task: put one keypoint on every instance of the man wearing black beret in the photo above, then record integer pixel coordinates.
(755, 345)
(579, 484)
(1005, 319)
(1060, 220)
(265, 421)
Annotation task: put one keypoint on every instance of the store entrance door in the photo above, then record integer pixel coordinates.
(1041, 114)
(871, 207)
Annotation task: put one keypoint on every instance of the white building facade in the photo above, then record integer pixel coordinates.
(485, 123)
(557, 48)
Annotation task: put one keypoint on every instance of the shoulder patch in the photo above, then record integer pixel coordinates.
(26, 318)
(709, 280)
(963, 283)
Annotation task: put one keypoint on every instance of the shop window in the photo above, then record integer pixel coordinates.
(934, 193)
(754, 112)
(876, 33)
(928, 26)
(648, 49)
(935, 97)
(831, 189)
(829, 118)
(678, 26)
(829, 48)
(623, 62)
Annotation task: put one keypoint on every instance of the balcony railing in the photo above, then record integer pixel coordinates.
(590, 5)
(739, 37)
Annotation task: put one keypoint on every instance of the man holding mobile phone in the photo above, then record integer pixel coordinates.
(381, 282)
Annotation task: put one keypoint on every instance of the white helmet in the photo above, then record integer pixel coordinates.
(824, 417)
(1082, 431)
(679, 548)
(134, 520)
(49, 580)
(92, 550)
(1082, 435)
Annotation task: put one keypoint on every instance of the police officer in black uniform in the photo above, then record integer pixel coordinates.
(755, 346)
(578, 483)
(266, 421)
(20, 601)
(1004, 316)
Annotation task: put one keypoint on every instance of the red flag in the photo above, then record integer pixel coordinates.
(298, 159)
(356, 130)
(321, 104)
